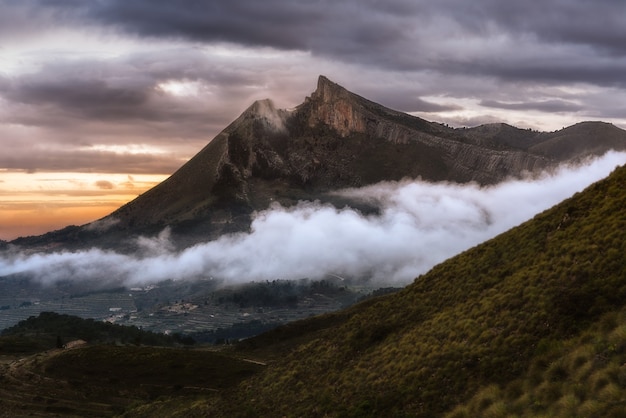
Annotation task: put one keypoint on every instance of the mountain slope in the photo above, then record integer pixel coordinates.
(482, 318)
(579, 140)
(335, 139)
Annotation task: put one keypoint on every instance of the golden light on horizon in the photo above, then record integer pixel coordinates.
(36, 203)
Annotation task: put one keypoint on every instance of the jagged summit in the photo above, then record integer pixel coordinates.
(261, 106)
(266, 111)
(348, 113)
(334, 139)
(333, 105)
(328, 91)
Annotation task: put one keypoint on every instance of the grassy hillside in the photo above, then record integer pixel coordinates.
(581, 377)
(483, 319)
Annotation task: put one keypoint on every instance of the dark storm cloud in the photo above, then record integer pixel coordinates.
(78, 95)
(404, 35)
(408, 104)
(277, 23)
(45, 159)
(599, 24)
(127, 88)
(297, 24)
(543, 106)
(108, 89)
(533, 41)
(91, 97)
(585, 67)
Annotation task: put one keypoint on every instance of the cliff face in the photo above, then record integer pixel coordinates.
(347, 113)
(464, 157)
(336, 139)
(332, 106)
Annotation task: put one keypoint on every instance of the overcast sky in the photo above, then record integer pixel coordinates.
(101, 99)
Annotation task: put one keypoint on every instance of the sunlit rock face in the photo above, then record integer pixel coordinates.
(337, 108)
(464, 158)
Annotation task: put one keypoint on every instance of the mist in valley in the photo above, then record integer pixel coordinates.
(418, 225)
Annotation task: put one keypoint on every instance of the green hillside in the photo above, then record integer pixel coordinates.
(492, 319)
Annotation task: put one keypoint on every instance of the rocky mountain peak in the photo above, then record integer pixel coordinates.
(328, 92)
(266, 112)
(334, 106)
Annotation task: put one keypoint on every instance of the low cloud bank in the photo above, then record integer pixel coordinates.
(419, 225)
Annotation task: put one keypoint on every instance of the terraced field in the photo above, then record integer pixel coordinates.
(96, 305)
(176, 307)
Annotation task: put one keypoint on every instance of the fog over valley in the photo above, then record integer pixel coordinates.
(418, 225)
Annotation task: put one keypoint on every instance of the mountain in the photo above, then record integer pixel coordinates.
(579, 140)
(335, 139)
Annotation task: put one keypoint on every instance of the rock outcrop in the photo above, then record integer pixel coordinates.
(465, 158)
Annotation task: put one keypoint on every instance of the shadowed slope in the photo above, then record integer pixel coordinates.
(585, 138)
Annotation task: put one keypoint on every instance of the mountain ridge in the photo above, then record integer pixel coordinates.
(335, 139)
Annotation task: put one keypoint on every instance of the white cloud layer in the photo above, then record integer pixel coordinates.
(419, 225)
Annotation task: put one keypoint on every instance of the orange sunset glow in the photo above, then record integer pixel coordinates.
(32, 204)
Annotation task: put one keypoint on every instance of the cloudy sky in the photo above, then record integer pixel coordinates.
(99, 100)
